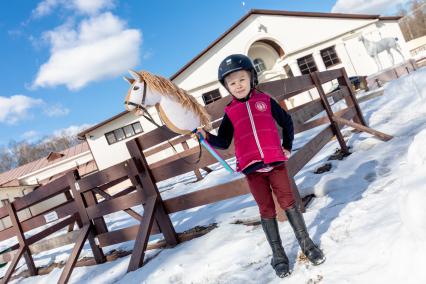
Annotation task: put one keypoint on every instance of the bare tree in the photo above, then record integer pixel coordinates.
(413, 21)
(7, 161)
(20, 153)
(418, 9)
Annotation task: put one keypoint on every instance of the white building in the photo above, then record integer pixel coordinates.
(417, 49)
(281, 44)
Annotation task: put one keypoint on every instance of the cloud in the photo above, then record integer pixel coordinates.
(16, 108)
(101, 47)
(31, 136)
(45, 7)
(90, 7)
(72, 130)
(380, 7)
(55, 110)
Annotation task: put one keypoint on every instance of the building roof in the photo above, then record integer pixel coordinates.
(10, 178)
(83, 170)
(82, 134)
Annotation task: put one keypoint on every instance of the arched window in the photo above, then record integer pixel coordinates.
(259, 65)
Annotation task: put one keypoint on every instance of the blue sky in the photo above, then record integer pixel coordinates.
(62, 61)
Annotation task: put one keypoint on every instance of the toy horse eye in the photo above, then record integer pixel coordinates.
(135, 88)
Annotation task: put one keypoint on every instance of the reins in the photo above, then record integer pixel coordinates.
(148, 117)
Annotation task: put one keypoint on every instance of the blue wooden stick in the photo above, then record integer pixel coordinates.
(213, 152)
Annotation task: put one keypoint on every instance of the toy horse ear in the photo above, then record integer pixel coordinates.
(135, 75)
(131, 81)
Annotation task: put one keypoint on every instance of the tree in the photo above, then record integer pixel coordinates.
(7, 161)
(413, 21)
(21, 153)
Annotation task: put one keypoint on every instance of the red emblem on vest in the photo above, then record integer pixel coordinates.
(260, 106)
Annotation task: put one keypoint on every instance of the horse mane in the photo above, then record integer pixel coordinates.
(168, 88)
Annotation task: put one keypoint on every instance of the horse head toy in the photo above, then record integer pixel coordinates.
(180, 111)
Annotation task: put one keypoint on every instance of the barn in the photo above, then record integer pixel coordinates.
(281, 44)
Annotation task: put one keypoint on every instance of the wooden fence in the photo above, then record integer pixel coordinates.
(88, 211)
(92, 213)
(378, 79)
(66, 213)
(281, 90)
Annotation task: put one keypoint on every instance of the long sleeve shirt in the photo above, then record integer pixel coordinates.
(226, 131)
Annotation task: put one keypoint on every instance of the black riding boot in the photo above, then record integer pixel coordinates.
(279, 259)
(311, 251)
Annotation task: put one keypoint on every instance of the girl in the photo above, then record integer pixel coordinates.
(250, 120)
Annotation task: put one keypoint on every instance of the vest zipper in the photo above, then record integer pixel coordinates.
(253, 126)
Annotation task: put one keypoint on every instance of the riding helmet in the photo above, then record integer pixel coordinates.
(236, 62)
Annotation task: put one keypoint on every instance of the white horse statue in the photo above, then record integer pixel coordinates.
(177, 109)
(374, 48)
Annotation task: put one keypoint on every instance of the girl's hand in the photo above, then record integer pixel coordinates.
(286, 152)
(198, 133)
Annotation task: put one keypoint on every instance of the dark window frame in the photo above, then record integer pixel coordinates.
(113, 132)
(329, 56)
(128, 128)
(307, 64)
(259, 65)
(211, 96)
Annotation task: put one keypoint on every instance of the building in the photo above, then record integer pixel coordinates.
(281, 44)
(417, 49)
(26, 178)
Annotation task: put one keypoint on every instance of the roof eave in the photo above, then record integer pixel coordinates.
(82, 134)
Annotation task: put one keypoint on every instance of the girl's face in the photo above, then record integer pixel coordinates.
(238, 83)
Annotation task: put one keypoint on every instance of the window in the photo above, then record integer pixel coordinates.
(119, 134)
(110, 138)
(329, 56)
(307, 64)
(288, 71)
(137, 127)
(211, 96)
(259, 65)
(123, 132)
(128, 130)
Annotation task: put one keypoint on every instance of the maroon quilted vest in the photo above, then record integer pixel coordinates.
(256, 136)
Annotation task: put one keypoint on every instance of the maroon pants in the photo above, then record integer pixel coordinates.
(262, 185)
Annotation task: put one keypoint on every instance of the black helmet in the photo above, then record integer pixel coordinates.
(236, 62)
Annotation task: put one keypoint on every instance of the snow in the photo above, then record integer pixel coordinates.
(368, 217)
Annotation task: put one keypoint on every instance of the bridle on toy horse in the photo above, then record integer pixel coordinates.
(150, 119)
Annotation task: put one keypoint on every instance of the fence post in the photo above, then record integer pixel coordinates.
(86, 232)
(70, 198)
(329, 111)
(142, 237)
(351, 101)
(150, 188)
(81, 206)
(299, 201)
(23, 247)
(100, 225)
(413, 64)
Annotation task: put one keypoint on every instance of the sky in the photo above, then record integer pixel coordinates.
(62, 61)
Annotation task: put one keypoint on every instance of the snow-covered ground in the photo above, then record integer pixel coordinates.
(369, 216)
